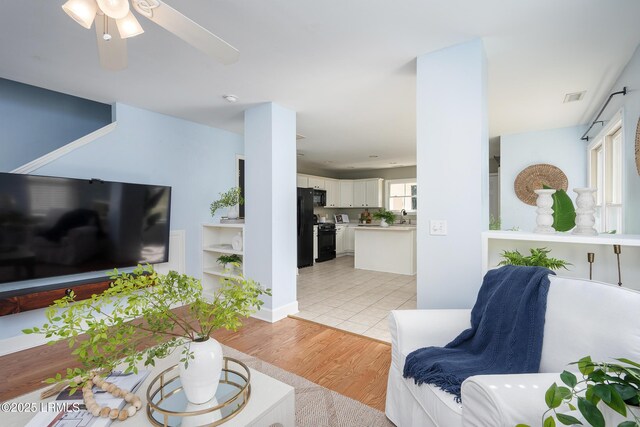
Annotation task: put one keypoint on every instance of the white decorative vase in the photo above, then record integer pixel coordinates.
(585, 209)
(383, 223)
(236, 242)
(200, 380)
(233, 212)
(544, 202)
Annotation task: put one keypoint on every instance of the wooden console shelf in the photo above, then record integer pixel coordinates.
(43, 299)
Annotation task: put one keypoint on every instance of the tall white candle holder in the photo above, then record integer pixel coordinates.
(544, 202)
(585, 209)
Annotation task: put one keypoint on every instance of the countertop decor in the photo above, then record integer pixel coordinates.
(534, 177)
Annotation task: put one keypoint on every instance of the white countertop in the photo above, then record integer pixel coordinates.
(390, 228)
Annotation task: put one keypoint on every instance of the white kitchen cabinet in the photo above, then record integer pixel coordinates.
(367, 193)
(340, 235)
(349, 239)
(302, 181)
(346, 193)
(374, 192)
(316, 182)
(315, 243)
(332, 186)
(359, 194)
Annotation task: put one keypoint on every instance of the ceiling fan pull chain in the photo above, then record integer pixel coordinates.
(106, 36)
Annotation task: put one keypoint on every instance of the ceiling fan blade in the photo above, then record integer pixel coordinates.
(191, 32)
(113, 52)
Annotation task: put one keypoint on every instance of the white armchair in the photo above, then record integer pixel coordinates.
(582, 318)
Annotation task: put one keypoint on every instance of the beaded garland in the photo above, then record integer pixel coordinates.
(133, 401)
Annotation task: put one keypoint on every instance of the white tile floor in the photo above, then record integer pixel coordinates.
(336, 294)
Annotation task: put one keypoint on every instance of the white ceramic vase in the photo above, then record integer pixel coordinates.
(585, 210)
(200, 379)
(383, 223)
(236, 242)
(233, 212)
(544, 202)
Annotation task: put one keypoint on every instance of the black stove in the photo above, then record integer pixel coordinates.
(326, 241)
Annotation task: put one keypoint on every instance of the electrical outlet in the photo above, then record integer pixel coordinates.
(438, 227)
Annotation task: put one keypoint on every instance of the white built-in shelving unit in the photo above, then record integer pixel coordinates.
(572, 248)
(216, 241)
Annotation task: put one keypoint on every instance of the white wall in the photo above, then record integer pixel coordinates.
(630, 103)
(559, 147)
(453, 173)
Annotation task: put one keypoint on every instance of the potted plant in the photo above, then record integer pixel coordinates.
(616, 385)
(230, 199)
(230, 262)
(114, 338)
(538, 258)
(386, 217)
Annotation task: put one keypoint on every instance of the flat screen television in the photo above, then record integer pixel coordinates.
(61, 226)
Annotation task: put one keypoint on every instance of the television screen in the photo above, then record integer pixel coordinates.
(60, 226)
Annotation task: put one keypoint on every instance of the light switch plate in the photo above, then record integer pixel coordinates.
(438, 227)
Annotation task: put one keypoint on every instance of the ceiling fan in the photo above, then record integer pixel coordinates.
(115, 23)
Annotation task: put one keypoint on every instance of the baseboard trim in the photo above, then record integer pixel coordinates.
(64, 150)
(273, 315)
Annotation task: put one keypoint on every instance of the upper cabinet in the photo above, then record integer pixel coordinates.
(302, 181)
(332, 186)
(346, 193)
(367, 193)
(317, 183)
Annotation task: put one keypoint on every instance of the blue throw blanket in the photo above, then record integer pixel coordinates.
(507, 327)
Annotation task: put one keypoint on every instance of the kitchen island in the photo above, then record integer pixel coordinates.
(388, 249)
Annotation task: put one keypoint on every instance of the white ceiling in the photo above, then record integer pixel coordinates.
(346, 67)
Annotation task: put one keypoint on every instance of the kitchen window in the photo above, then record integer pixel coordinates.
(605, 174)
(402, 194)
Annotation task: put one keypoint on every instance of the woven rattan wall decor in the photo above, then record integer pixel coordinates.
(638, 147)
(535, 177)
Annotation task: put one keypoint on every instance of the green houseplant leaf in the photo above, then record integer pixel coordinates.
(564, 213)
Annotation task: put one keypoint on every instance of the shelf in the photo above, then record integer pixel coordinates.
(600, 239)
(221, 273)
(218, 225)
(223, 249)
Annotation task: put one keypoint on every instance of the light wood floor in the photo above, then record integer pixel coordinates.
(352, 365)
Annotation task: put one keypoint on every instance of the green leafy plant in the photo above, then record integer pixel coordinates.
(388, 216)
(117, 326)
(229, 259)
(615, 385)
(564, 213)
(230, 198)
(538, 258)
(494, 223)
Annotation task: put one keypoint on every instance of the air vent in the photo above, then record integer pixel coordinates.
(299, 136)
(574, 97)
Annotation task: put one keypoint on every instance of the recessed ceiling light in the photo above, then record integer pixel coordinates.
(575, 96)
(373, 156)
(230, 98)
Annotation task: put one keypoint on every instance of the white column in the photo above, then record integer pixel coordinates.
(270, 208)
(453, 173)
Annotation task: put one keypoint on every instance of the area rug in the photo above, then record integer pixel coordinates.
(317, 406)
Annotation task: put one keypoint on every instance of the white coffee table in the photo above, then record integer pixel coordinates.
(271, 402)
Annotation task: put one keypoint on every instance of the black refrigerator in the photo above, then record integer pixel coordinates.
(305, 227)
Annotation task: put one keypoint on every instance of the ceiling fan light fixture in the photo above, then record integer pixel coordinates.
(81, 11)
(129, 26)
(116, 9)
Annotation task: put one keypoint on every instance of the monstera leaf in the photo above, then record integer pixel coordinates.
(564, 213)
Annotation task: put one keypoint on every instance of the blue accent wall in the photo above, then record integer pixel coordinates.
(36, 121)
(197, 161)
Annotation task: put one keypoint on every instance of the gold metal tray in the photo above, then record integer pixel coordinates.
(168, 406)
